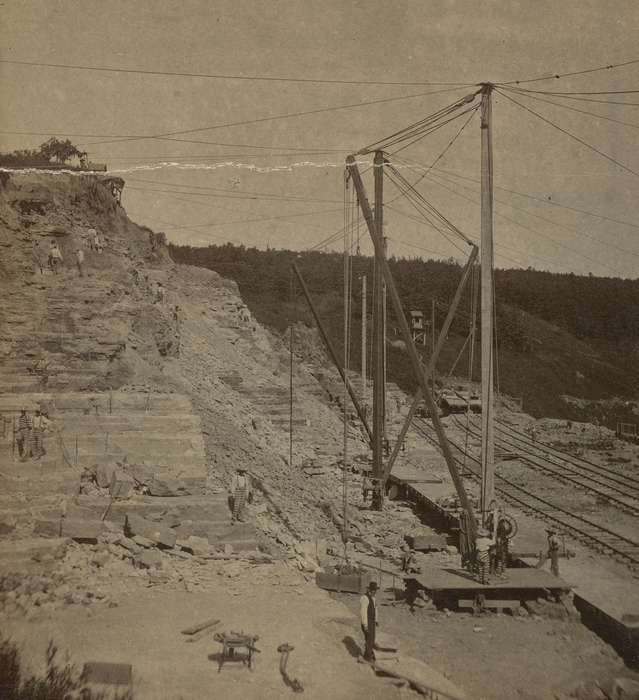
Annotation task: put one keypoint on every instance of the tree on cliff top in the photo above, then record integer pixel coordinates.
(62, 151)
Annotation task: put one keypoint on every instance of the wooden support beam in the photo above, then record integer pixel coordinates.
(410, 345)
(487, 308)
(379, 342)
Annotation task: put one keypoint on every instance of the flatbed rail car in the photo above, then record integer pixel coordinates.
(452, 401)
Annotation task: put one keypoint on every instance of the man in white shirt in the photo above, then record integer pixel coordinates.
(55, 257)
(368, 619)
(79, 257)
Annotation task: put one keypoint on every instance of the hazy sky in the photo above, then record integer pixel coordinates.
(439, 41)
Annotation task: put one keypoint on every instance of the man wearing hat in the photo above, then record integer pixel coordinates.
(553, 552)
(368, 618)
(240, 493)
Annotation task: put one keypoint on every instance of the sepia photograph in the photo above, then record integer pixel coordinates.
(319, 350)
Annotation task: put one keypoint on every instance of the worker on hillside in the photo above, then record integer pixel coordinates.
(93, 239)
(409, 561)
(55, 257)
(79, 260)
(483, 545)
(37, 258)
(25, 425)
(368, 619)
(177, 320)
(99, 242)
(160, 293)
(554, 543)
(39, 425)
(241, 492)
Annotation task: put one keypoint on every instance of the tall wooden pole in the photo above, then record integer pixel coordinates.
(384, 344)
(432, 343)
(378, 339)
(364, 320)
(487, 430)
(418, 370)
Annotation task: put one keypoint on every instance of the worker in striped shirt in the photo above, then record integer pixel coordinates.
(22, 435)
(483, 545)
(241, 492)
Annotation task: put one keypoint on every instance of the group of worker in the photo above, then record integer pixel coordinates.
(29, 434)
(55, 259)
(491, 547)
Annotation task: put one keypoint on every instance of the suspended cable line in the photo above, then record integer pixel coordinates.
(236, 194)
(229, 76)
(549, 202)
(558, 76)
(571, 135)
(418, 127)
(550, 221)
(572, 109)
(442, 153)
(527, 228)
(64, 132)
(259, 120)
(261, 219)
(415, 195)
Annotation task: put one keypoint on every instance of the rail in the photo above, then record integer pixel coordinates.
(622, 493)
(587, 531)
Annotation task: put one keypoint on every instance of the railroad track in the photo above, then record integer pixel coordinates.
(585, 465)
(609, 485)
(583, 529)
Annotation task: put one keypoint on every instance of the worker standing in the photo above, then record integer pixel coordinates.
(55, 257)
(79, 259)
(39, 425)
(483, 545)
(502, 540)
(241, 492)
(368, 618)
(22, 435)
(554, 544)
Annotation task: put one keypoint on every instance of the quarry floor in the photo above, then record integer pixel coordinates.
(490, 657)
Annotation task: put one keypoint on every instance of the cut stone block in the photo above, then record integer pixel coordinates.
(7, 524)
(167, 487)
(158, 533)
(104, 475)
(199, 546)
(47, 528)
(149, 559)
(103, 672)
(129, 544)
(121, 485)
(82, 529)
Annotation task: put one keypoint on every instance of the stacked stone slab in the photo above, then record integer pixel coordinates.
(125, 435)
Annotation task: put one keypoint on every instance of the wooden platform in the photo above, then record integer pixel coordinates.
(521, 584)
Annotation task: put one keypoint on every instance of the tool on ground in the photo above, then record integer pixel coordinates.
(200, 630)
(194, 629)
(232, 641)
(293, 683)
